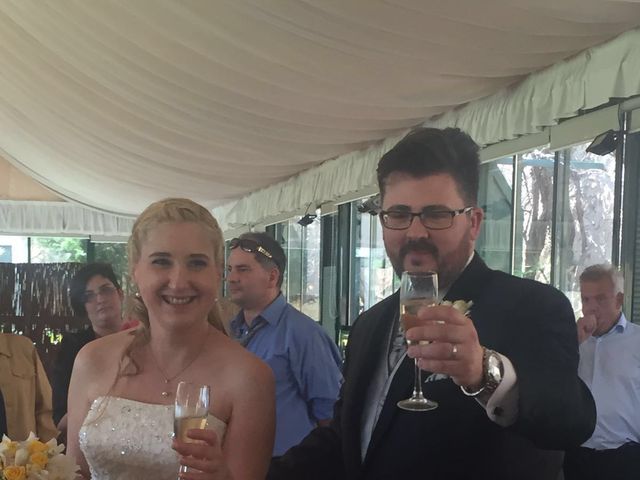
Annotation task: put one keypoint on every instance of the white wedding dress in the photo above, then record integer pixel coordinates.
(129, 440)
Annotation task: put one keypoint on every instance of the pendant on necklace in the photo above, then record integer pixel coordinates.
(165, 393)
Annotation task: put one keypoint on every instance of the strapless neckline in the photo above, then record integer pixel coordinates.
(169, 406)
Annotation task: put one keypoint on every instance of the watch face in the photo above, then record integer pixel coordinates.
(493, 370)
(494, 367)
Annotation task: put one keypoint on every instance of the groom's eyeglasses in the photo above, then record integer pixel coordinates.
(250, 246)
(431, 218)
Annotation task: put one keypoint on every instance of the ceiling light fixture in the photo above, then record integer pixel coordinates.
(604, 143)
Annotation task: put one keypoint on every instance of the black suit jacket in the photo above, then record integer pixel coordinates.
(61, 375)
(530, 323)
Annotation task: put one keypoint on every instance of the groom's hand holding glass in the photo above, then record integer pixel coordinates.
(454, 349)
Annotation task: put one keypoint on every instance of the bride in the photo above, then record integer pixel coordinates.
(123, 385)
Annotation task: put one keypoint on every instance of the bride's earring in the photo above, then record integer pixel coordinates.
(138, 297)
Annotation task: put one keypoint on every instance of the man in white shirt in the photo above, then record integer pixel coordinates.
(610, 366)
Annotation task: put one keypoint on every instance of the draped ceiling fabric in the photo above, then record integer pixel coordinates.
(115, 104)
(55, 218)
(583, 82)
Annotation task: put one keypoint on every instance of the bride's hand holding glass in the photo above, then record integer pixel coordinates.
(200, 450)
(203, 458)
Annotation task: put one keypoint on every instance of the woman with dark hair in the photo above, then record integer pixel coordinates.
(123, 386)
(96, 295)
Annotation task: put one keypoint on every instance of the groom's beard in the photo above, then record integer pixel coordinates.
(449, 265)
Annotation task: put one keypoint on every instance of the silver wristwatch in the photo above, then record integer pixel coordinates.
(492, 373)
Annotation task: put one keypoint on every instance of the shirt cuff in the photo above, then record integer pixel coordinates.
(502, 406)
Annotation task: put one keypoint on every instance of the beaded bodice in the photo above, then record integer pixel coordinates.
(125, 439)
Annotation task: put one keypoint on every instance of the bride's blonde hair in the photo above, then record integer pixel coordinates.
(169, 210)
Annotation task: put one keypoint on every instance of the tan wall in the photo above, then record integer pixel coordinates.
(15, 185)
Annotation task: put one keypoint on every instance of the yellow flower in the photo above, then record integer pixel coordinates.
(39, 458)
(15, 473)
(37, 446)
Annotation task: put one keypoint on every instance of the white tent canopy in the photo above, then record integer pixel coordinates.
(586, 81)
(115, 104)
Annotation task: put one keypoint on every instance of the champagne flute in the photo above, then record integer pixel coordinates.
(417, 290)
(191, 410)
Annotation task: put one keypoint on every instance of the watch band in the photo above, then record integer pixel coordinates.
(492, 373)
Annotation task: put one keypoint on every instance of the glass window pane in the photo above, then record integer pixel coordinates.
(495, 196)
(384, 281)
(329, 286)
(280, 233)
(311, 269)
(534, 215)
(585, 232)
(116, 255)
(227, 251)
(360, 257)
(373, 276)
(292, 237)
(58, 249)
(14, 249)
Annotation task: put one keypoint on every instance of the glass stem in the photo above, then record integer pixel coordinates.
(417, 380)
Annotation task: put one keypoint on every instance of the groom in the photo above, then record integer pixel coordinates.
(505, 379)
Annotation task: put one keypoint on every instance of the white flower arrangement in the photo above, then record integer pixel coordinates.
(32, 459)
(463, 306)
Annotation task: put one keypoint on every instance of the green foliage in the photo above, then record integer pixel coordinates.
(58, 249)
(68, 249)
(116, 255)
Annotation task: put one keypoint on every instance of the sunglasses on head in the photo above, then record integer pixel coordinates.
(250, 246)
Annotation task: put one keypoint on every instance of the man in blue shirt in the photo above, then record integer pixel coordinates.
(305, 361)
(610, 366)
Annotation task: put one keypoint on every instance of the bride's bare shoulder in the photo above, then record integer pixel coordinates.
(242, 365)
(105, 351)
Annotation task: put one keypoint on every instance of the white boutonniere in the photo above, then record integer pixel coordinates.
(463, 306)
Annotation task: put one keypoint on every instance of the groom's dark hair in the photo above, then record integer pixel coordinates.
(431, 151)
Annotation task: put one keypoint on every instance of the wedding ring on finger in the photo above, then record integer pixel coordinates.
(454, 351)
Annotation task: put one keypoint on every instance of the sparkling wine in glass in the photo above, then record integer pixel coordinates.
(417, 290)
(191, 410)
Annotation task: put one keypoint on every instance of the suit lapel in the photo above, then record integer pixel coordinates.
(472, 281)
(370, 347)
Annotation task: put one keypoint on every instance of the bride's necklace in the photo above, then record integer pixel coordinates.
(167, 380)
